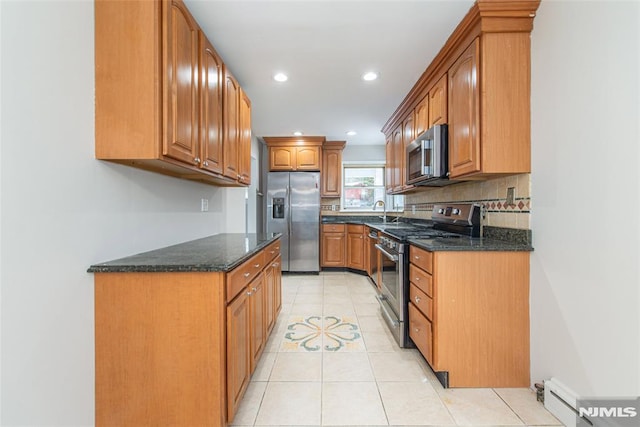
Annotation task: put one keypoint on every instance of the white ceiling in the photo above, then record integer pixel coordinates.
(325, 47)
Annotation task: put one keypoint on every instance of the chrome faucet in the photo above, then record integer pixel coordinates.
(384, 207)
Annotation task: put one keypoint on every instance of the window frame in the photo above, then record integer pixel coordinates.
(390, 200)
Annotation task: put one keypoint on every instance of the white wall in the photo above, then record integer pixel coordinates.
(585, 284)
(364, 153)
(62, 211)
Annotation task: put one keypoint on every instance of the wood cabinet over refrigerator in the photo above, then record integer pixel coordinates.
(165, 102)
(288, 154)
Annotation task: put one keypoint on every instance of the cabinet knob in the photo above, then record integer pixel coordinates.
(417, 279)
(417, 299)
(249, 293)
(416, 257)
(206, 163)
(275, 264)
(196, 160)
(254, 290)
(257, 266)
(247, 274)
(417, 330)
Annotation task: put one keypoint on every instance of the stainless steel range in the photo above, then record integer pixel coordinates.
(449, 222)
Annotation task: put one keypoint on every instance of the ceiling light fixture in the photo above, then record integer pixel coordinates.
(297, 133)
(370, 76)
(352, 133)
(280, 77)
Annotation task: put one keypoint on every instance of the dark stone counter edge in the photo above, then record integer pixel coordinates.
(469, 245)
(181, 268)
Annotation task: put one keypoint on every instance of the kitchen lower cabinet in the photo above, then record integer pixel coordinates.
(355, 246)
(273, 292)
(469, 316)
(239, 349)
(257, 310)
(333, 245)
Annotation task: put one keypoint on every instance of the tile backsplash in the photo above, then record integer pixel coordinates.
(492, 194)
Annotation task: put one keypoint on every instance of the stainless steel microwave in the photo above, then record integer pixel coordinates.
(427, 158)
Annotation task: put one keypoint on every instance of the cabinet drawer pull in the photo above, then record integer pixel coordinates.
(247, 274)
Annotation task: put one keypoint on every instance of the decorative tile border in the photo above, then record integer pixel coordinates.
(521, 205)
(322, 333)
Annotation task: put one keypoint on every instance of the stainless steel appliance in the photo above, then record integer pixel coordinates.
(427, 158)
(293, 209)
(448, 221)
(373, 257)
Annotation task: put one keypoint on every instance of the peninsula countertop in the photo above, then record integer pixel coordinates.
(220, 252)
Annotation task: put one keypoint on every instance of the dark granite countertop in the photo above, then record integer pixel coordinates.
(470, 244)
(221, 252)
(351, 219)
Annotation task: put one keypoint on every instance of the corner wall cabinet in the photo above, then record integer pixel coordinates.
(165, 102)
(478, 84)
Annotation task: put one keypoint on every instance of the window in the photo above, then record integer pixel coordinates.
(363, 186)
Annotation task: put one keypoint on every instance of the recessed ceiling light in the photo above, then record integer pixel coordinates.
(352, 132)
(297, 133)
(280, 77)
(369, 76)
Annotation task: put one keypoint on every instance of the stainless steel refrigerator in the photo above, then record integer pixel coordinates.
(293, 209)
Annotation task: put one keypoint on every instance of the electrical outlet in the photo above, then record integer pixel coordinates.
(511, 196)
(204, 205)
(413, 209)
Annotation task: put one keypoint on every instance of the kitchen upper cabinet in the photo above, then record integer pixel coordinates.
(181, 90)
(438, 103)
(408, 134)
(464, 120)
(244, 159)
(231, 125)
(295, 153)
(211, 73)
(355, 246)
(397, 163)
(421, 114)
(332, 168)
(478, 84)
(162, 94)
(389, 164)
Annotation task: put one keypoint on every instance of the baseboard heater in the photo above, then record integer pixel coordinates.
(561, 402)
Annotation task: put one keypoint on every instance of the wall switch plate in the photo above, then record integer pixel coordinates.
(511, 196)
(204, 205)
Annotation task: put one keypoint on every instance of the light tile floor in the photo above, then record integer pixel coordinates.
(330, 361)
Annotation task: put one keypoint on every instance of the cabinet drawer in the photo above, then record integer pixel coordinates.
(271, 251)
(421, 333)
(240, 276)
(354, 228)
(422, 258)
(333, 228)
(422, 301)
(422, 280)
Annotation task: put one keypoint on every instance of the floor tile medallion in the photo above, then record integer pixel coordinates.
(322, 333)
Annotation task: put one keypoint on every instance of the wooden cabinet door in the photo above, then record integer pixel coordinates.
(270, 297)
(244, 155)
(421, 114)
(367, 251)
(438, 102)
(231, 96)
(181, 90)
(355, 251)
(333, 250)
(307, 158)
(397, 158)
(408, 133)
(277, 274)
(257, 327)
(238, 352)
(282, 158)
(331, 173)
(464, 132)
(388, 171)
(211, 74)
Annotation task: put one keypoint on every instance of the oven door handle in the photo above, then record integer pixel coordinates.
(392, 257)
(381, 299)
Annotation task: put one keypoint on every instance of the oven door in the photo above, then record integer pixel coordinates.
(392, 294)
